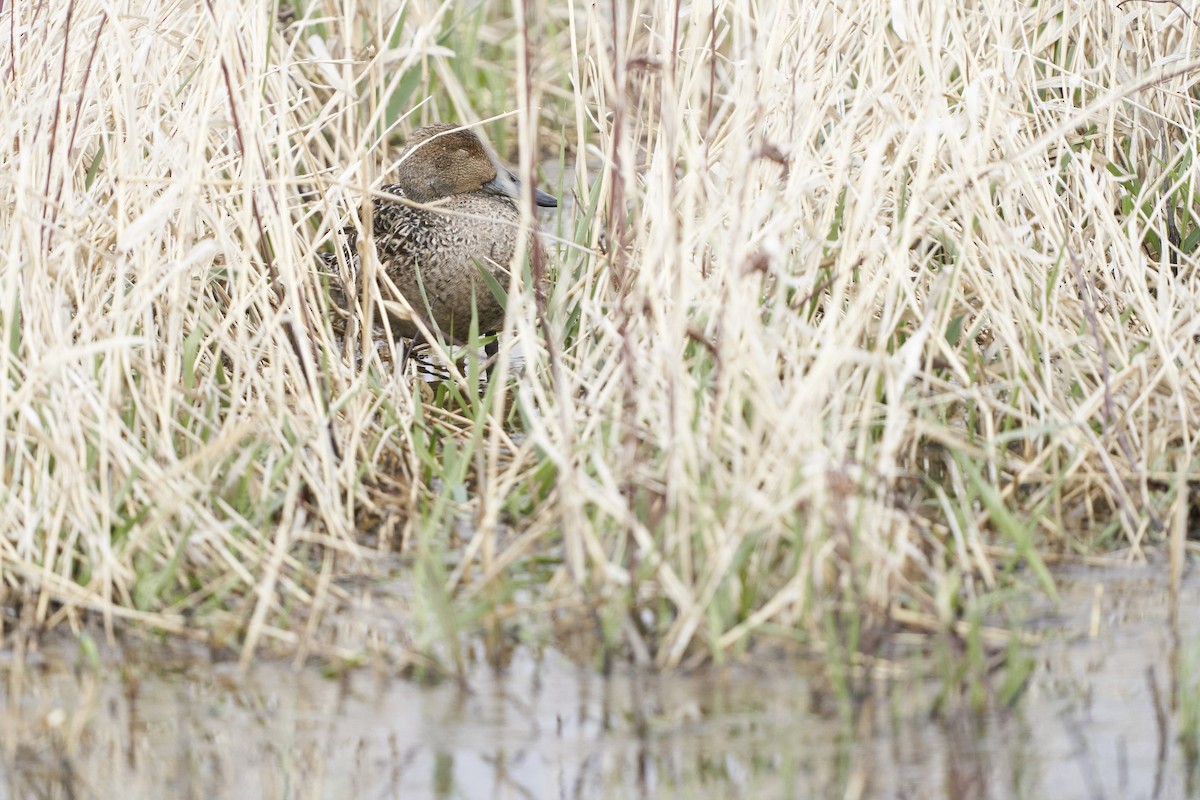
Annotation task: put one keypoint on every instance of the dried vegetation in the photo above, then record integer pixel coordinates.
(857, 312)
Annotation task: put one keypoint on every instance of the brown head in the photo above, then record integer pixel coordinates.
(444, 160)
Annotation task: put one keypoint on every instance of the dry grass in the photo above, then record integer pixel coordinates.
(856, 305)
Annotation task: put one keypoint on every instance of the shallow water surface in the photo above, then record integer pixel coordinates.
(1088, 724)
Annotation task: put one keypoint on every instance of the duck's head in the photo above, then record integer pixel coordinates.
(444, 160)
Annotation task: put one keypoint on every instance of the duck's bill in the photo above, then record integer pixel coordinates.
(507, 184)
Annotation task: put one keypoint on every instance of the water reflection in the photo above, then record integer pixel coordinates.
(1090, 724)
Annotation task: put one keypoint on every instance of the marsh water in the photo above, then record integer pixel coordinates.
(1093, 720)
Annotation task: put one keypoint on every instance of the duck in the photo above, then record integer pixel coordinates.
(460, 217)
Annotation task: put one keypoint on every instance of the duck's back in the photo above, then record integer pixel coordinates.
(434, 256)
